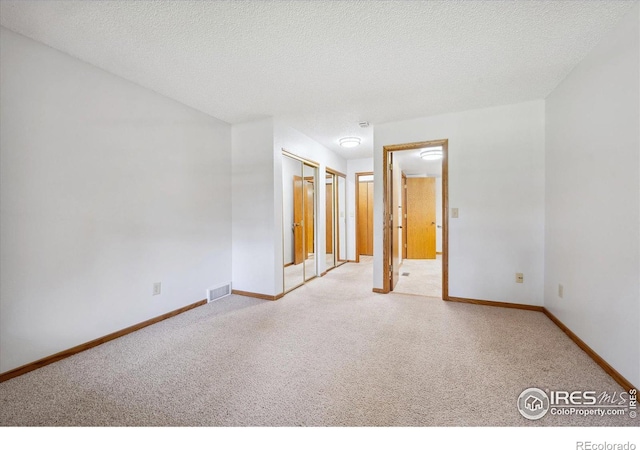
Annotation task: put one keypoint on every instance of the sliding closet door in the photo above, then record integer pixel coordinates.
(309, 198)
(341, 219)
(293, 221)
(330, 229)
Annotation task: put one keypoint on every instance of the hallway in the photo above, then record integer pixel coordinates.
(421, 277)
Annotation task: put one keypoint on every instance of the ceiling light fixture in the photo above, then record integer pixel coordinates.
(349, 142)
(431, 154)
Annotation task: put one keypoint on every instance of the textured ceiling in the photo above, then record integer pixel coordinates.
(412, 165)
(326, 65)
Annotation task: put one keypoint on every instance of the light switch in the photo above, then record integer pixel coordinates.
(454, 213)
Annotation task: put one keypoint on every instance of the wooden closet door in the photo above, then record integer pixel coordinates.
(365, 218)
(369, 217)
(421, 218)
(329, 219)
(362, 218)
(298, 215)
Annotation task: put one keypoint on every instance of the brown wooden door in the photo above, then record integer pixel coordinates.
(308, 217)
(365, 217)
(329, 219)
(421, 218)
(404, 216)
(369, 217)
(298, 253)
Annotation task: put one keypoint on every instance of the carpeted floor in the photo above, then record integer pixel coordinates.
(330, 353)
(424, 277)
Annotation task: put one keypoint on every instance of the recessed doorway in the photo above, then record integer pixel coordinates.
(415, 237)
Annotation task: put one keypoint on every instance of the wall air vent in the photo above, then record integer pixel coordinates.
(216, 293)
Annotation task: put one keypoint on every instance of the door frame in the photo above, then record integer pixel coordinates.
(358, 175)
(387, 230)
(336, 205)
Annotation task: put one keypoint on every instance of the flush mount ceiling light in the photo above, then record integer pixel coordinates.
(349, 142)
(431, 153)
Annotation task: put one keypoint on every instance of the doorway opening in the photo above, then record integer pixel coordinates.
(415, 229)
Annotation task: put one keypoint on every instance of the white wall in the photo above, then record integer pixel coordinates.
(593, 199)
(496, 179)
(354, 166)
(105, 188)
(293, 141)
(256, 239)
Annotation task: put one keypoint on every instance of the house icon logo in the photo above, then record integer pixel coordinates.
(533, 403)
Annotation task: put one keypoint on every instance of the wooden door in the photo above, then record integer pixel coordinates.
(362, 218)
(404, 216)
(421, 218)
(298, 252)
(370, 218)
(329, 219)
(309, 221)
(365, 218)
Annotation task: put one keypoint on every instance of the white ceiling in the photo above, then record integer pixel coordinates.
(326, 65)
(411, 164)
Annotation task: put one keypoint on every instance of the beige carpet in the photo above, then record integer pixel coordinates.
(293, 276)
(423, 277)
(329, 353)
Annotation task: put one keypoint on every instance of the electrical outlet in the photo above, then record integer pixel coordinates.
(157, 288)
(519, 278)
(454, 213)
(560, 291)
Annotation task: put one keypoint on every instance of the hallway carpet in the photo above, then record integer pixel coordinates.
(330, 353)
(424, 277)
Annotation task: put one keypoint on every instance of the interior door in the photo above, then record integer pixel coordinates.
(369, 218)
(421, 218)
(309, 221)
(310, 183)
(298, 254)
(363, 218)
(329, 217)
(404, 216)
(341, 222)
